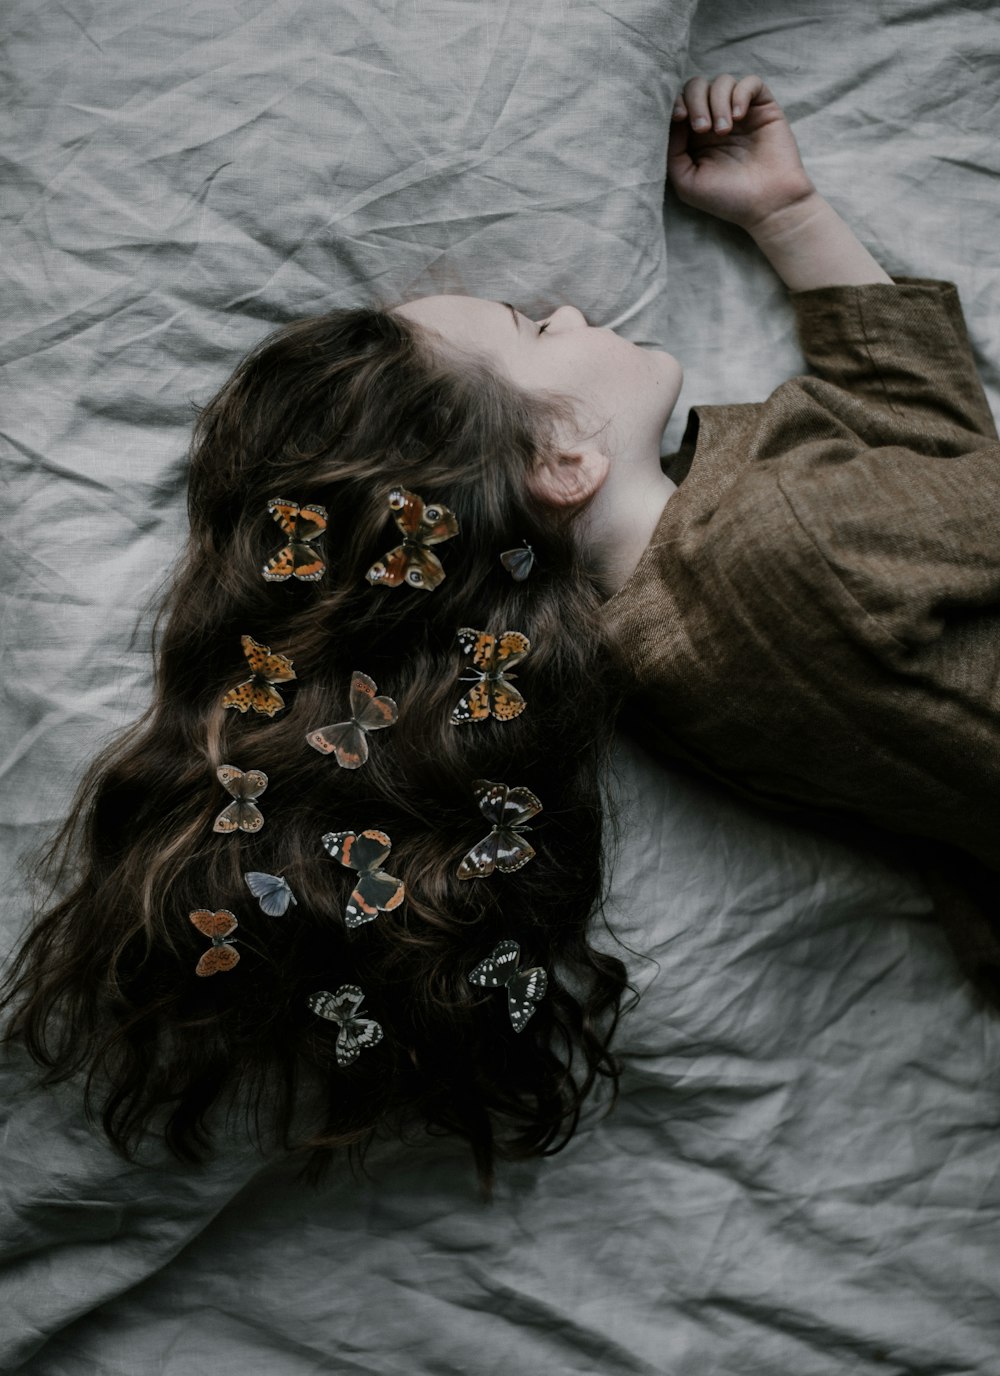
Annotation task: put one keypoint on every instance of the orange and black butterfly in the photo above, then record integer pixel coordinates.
(222, 954)
(302, 527)
(375, 892)
(265, 669)
(243, 814)
(346, 739)
(504, 848)
(492, 657)
(413, 561)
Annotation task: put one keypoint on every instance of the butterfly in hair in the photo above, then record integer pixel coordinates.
(341, 1007)
(413, 562)
(243, 814)
(518, 562)
(492, 658)
(265, 670)
(272, 892)
(375, 892)
(222, 954)
(504, 848)
(525, 988)
(347, 739)
(302, 527)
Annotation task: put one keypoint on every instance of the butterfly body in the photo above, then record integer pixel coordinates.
(302, 526)
(222, 954)
(492, 658)
(243, 814)
(347, 739)
(375, 890)
(505, 848)
(341, 1007)
(413, 562)
(525, 988)
(256, 691)
(272, 892)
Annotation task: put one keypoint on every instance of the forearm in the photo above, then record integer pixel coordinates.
(809, 245)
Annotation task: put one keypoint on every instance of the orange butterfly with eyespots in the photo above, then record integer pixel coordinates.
(302, 525)
(256, 691)
(492, 658)
(222, 954)
(413, 562)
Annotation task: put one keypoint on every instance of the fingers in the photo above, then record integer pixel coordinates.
(718, 103)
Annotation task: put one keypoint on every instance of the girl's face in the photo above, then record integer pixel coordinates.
(631, 388)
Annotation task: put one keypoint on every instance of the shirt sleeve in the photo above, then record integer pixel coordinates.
(902, 349)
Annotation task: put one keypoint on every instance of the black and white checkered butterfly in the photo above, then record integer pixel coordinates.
(342, 1007)
(272, 892)
(504, 848)
(525, 988)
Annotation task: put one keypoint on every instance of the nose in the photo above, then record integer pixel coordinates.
(567, 318)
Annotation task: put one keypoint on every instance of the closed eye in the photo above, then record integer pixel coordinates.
(543, 328)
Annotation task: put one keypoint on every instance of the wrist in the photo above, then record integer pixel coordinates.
(809, 246)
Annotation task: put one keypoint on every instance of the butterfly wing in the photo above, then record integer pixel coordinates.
(498, 966)
(371, 712)
(248, 815)
(510, 650)
(525, 992)
(512, 850)
(273, 893)
(339, 844)
(407, 510)
(355, 1035)
(218, 924)
(310, 523)
(307, 565)
(478, 863)
(271, 667)
(390, 570)
(229, 777)
(504, 700)
(423, 569)
(228, 819)
(474, 706)
(280, 566)
(518, 562)
(437, 523)
(240, 697)
(375, 892)
(344, 739)
(216, 959)
(285, 513)
(481, 645)
(368, 851)
(265, 699)
(491, 799)
(518, 807)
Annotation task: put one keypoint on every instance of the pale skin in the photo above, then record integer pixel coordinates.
(731, 154)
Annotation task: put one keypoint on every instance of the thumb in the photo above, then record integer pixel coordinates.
(679, 161)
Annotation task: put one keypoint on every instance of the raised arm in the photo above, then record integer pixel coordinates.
(732, 154)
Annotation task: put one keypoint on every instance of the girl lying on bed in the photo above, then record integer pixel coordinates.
(357, 840)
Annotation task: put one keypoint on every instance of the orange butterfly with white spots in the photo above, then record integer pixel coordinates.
(303, 526)
(413, 562)
(493, 693)
(265, 670)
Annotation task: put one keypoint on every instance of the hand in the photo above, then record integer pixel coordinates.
(744, 164)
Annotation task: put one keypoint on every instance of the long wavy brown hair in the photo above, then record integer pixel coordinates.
(337, 410)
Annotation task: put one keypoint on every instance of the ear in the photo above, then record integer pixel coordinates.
(571, 478)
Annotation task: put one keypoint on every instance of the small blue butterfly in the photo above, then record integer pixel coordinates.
(272, 892)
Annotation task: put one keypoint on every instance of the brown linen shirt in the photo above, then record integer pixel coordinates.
(816, 620)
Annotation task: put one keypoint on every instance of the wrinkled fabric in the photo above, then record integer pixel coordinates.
(801, 1171)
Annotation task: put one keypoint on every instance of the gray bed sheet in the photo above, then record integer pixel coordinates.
(801, 1175)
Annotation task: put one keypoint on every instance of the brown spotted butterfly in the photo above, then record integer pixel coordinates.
(342, 1007)
(302, 526)
(222, 954)
(346, 739)
(525, 988)
(265, 669)
(413, 562)
(492, 657)
(518, 562)
(243, 814)
(376, 892)
(504, 848)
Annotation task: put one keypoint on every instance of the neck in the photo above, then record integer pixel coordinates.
(620, 523)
